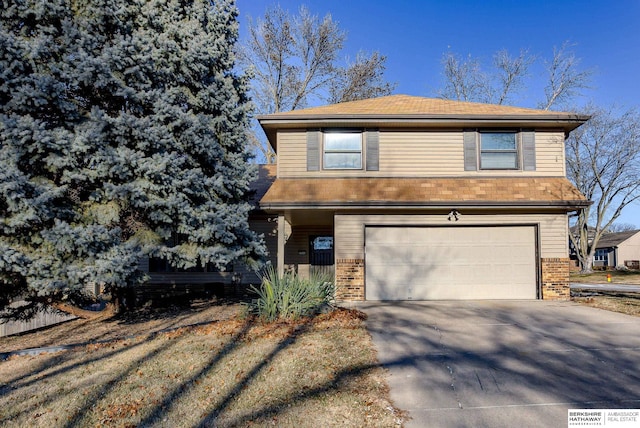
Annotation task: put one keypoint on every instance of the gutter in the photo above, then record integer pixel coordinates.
(572, 205)
(279, 118)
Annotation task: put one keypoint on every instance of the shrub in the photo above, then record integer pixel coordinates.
(290, 296)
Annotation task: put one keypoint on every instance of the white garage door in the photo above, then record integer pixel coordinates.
(433, 263)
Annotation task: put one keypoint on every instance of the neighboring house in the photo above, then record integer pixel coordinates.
(618, 249)
(413, 198)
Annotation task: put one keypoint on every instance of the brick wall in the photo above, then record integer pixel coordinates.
(555, 279)
(349, 279)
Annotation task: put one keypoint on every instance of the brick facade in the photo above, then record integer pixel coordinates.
(349, 279)
(555, 279)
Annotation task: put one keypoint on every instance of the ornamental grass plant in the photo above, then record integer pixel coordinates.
(291, 296)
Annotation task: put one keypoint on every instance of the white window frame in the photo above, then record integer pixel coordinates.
(326, 151)
(515, 151)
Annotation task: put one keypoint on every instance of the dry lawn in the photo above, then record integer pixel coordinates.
(626, 303)
(600, 277)
(233, 372)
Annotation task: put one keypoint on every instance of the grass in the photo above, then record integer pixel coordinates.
(233, 372)
(626, 303)
(600, 277)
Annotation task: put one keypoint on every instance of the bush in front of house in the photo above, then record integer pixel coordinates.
(290, 296)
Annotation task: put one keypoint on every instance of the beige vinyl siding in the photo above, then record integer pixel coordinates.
(292, 153)
(418, 153)
(349, 229)
(629, 249)
(415, 154)
(550, 154)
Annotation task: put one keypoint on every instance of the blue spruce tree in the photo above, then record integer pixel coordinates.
(122, 124)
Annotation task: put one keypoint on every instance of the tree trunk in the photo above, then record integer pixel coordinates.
(586, 264)
(109, 310)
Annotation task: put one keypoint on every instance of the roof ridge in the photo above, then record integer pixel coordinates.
(399, 104)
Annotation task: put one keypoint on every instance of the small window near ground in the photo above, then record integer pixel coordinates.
(498, 150)
(342, 150)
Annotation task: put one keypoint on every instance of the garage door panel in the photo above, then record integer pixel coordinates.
(427, 263)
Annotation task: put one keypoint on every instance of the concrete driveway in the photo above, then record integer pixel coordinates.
(505, 363)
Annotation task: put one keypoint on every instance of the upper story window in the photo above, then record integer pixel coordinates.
(498, 150)
(342, 150)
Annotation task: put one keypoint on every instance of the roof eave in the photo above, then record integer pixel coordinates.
(289, 117)
(271, 123)
(565, 205)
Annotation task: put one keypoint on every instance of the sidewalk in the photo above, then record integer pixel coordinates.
(627, 288)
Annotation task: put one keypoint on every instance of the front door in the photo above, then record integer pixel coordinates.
(321, 253)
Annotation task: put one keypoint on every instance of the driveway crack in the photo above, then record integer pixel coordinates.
(452, 375)
(479, 381)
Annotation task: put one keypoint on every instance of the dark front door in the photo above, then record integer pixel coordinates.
(321, 250)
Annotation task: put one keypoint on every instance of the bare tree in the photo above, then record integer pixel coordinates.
(510, 73)
(465, 79)
(361, 79)
(603, 161)
(293, 59)
(565, 78)
(620, 227)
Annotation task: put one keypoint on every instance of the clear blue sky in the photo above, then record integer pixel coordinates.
(415, 34)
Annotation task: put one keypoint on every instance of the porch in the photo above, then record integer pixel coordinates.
(305, 242)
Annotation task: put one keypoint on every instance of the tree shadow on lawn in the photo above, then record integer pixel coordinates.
(140, 321)
(160, 408)
(246, 378)
(65, 363)
(61, 364)
(571, 361)
(165, 405)
(335, 384)
(95, 396)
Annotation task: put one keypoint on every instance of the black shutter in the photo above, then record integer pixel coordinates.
(470, 150)
(313, 150)
(528, 150)
(373, 150)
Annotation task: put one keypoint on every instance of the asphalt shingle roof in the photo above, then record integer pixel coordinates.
(614, 239)
(411, 105)
(423, 191)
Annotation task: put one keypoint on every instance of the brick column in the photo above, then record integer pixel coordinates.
(349, 279)
(555, 279)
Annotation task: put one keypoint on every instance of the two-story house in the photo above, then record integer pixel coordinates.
(412, 198)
